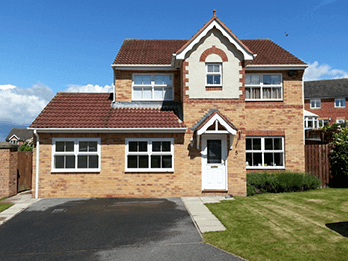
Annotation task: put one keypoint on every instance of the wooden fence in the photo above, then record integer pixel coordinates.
(317, 161)
(24, 170)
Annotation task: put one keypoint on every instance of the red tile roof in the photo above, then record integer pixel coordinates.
(93, 110)
(136, 51)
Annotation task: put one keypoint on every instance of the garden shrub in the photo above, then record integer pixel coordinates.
(282, 181)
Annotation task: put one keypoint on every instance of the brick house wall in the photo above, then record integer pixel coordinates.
(8, 172)
(328, 110)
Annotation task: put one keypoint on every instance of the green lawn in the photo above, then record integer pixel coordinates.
(4, 206)
(285, 226)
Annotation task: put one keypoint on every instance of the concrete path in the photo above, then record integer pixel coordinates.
(21, 201)
(201, 215)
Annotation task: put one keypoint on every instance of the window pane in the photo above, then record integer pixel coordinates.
(268, 159)
(255, 79)
(267, 93)
(210, 79)
(278, 144)
(159, 79)
(275, 79)
(155, 161)
(168, 80)
(147, 93)
(247, 79)
(132, 162)
(168, 93)
(214, 151)
(138, 79)
(147, 79)
(278, 159)
(166, 161)
(132, 146)
(137, 93)
(93, 161)
(256, 93)
(276, 93)
(268, 144)
(60, 146)
(216, 68)
(210, 68)
(247, 93)
(82, 162)
(257, 159)
(267, 79)
(166, 146)
(216, 79)
(59, 162)
(70, 162)
(317, 104)
(158, 93)
(93, 146)
(142, 145)
(69, 146)
(83, 145)
(256, 144)
(248, 144)
(143, 162)
(156, 146)
(249, 159)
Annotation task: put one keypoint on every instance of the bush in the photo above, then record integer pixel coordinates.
(27, 146)
(283, 181)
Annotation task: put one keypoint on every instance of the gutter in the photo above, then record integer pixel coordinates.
(109, 130)
(37, 164)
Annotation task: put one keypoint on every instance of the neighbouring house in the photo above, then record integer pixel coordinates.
(18, 136)
(327, 99)
(186, 118)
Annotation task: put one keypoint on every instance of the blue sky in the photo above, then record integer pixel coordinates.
(56, 46)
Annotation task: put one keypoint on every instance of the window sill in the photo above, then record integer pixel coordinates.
(262, 167)
(75, 170)
(152, 100)
(148, 170)
(258, 100)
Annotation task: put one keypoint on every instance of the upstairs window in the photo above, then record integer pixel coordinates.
(340, 103)
(157, 87)
(263, 87)
(214, 74)
(315, 103)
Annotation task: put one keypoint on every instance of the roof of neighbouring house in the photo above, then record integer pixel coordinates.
(335, 88)
(22, 133)
(93, 110)
(144, 51)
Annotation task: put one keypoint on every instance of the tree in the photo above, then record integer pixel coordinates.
(26, 146)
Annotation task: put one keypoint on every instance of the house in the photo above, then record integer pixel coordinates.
(18, 136)
(186, 118)
(327, 99)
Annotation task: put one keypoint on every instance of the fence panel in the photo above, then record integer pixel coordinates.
(24, 170)
(317, 161)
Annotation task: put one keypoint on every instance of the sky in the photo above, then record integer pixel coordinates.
(69, 45)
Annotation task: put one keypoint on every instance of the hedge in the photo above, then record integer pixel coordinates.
(282, 181)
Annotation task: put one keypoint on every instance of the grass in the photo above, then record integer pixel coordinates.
(285, 226)
(4, 206)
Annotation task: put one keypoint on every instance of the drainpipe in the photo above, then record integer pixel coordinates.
(37, 165)
(114, 85)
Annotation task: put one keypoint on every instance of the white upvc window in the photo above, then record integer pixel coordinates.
(315, 103)
(311, 123)
(340, 103)
(263, 86)
(265, 153)
(150, 155)
(340, 121)
(153, 87)
(76, 155)
(323, 123)
(214, 74)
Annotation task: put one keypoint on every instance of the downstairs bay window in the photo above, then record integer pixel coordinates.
(76, 155)
(263, 87)
(264, 152)
(150, 155)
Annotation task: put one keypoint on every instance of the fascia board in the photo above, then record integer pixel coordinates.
(269, 67)
(221, 121)
(14, 135)
(247, 55)
(142, 67)
(110, 130)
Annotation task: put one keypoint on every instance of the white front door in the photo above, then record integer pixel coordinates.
(214, 162)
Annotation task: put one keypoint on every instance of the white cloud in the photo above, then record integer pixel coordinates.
(323, 71)
(89, 88)
(324, 2)
(21, 106)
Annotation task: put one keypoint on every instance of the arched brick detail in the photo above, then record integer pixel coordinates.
(215, 50)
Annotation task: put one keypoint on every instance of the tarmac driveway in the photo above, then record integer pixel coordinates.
(105, 229)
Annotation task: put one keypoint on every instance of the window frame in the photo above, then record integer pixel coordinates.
(314, 120)
(213, 73)
(262, 86)
(344, 99)
(263, 151)
(340, 121)
(75, 153)
(149, 153)
(315, 107)
(153, 86)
